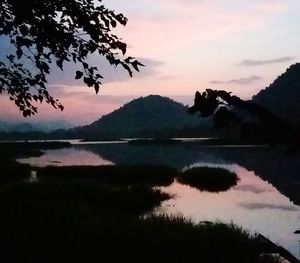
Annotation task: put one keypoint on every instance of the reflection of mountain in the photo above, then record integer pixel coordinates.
(151, 116)
(272, 165)
(177, 156)
(283, 95)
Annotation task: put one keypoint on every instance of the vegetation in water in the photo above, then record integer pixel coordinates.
(56, 222)
(85, 214)
(83, 195)
(153, 175)
(209, 178)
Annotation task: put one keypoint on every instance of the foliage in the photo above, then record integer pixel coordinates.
(254, 121)
(42, 33)
(133, 200)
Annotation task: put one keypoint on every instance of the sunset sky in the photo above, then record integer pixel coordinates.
(186, 45)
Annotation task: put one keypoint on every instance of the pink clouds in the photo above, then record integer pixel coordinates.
(185, 24)
(186, 43)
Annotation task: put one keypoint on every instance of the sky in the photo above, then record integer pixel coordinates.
(187, 45)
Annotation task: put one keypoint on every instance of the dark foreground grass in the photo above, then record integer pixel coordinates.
(209, 179)
(41, 197)
(45, 223)
(153, 175)
(87, 222)
(10, 170)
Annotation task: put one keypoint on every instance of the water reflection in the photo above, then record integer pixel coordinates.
(66, 157)
(253, 203)
(176, 156)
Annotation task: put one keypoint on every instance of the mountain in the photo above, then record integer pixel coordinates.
(26, 127)
(5, 126)
(23, 127)
(50, 126)
(282, 97)
(151, 116)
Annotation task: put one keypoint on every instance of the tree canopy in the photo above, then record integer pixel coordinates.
(229, 111)
(43, 33)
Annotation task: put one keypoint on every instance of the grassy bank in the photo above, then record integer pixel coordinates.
(208, 178)
(80, 195)
(104, 220)
(63, 222)
(153, 175)
(154, 142)
(87, 214)
(9, 151)
(43, 145)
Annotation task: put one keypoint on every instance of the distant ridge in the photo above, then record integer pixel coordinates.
(282, 97)
(27, 127)
(151, 116)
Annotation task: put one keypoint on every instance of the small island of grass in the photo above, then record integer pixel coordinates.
(155, 141)
(209, 179)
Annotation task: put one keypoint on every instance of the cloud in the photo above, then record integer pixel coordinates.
(240, 81)
(254, 206)
(66, 78)
(251, 188)
(250, 62)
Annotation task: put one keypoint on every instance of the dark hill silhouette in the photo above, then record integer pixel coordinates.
(283, 95)
(151, 116)
(242, 120)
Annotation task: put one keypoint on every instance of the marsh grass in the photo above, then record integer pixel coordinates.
(88, 222)
(133, 200)
(97, 214)
(209, 179)
(10, 170)
(152, 175)
(10, 151)
(52, 224)
(272, 258)
(155, 142)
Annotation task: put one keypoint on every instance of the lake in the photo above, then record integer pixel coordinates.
(265, 200)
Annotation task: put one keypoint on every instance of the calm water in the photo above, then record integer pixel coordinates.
(261, 202)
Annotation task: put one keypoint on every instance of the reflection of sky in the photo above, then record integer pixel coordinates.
(66, 157)
(253, 204)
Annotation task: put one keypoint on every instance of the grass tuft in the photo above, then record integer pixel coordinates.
(209, 179)
(152, 175)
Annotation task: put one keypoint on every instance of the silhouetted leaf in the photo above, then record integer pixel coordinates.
(79, 75)
(19, 53)
(135, 65)
(88, 81)
(48, 32)
(125, 66)
(59, 63)
(96, 86)
(122, 47)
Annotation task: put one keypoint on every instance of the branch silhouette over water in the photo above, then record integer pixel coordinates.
(254, 122)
